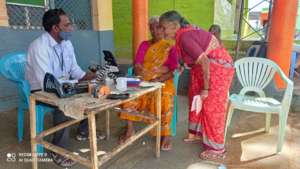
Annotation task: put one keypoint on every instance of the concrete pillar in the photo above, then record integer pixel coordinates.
(102, 15)
(3, 13)
(140, 23)
(281, 35)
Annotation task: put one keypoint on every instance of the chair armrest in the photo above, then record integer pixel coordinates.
(288, 94)
(285, 78)
(287, 97)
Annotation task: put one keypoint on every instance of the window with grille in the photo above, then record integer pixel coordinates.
(27, 14)
(79, 12)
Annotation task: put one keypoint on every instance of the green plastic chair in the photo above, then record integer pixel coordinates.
(254, 75)
(175, 111)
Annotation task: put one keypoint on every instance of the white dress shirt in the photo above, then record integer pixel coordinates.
(46, 55)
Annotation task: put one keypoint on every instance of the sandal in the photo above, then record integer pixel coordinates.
(85, 136)
(62, 161)
(192, 140)
(213, 155)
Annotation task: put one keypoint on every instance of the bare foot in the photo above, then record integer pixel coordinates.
(166, 144)
(125, 136)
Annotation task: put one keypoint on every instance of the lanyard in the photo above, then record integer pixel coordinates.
(60, 59)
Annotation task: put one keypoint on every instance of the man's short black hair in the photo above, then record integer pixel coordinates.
(51, 17)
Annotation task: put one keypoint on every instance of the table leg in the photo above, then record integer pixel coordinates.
(107, 124)
(158, 128)
(93, 140)
(33, 133)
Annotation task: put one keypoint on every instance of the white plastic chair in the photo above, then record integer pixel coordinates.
(255, 74)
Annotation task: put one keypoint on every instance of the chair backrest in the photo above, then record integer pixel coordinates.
(255, 73)
(12, 66)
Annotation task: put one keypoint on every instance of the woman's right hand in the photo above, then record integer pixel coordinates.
(160, 70)
(138, 70)
(204, 94)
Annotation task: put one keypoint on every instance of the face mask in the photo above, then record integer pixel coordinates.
(65, 35)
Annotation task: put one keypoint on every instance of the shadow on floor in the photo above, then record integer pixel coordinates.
(256, 150)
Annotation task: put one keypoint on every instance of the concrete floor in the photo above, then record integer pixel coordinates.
(245, 151)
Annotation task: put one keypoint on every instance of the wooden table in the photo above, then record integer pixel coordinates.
(89, 112)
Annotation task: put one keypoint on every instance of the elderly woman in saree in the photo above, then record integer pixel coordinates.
(155, 61)
(210, 78)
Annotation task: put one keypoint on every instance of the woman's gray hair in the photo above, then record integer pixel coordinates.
(153, 19)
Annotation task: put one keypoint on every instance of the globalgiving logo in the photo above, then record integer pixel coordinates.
(11, 157)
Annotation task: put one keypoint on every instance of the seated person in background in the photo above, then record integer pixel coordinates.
(53, 52)
(155, 61)
(216, 31)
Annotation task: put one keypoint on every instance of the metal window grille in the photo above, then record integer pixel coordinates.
(261, 32)
(25, 16)
(79, 12)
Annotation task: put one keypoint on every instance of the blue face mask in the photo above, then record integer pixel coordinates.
(65, 35)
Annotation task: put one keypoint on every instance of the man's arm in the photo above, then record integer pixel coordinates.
(88, 76)
(38, 64)
(76, 71)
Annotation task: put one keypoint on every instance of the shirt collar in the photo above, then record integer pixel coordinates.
(52, 41)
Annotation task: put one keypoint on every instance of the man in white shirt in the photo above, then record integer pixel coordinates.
(53, 52)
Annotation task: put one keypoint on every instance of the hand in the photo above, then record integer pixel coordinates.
(138, 70)
(155, 80)
(88, 76)
(93, 68)
(161, 70)
(204, 94)
(156, 69)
